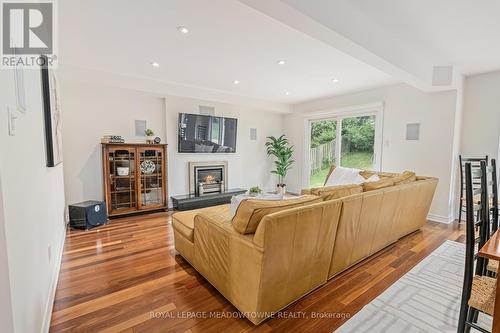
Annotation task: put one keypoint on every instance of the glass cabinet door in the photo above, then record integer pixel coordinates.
(122, 185)
(150, 170)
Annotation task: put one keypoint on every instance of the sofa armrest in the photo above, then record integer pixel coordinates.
(298, 245)
(306, 191)
(335, 191)
(229, 260)
(262, 273)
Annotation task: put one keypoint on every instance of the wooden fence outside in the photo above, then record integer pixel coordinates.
(320, 153)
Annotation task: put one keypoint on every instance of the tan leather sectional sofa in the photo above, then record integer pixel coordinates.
(272, 253)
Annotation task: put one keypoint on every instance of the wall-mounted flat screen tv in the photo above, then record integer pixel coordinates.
(206, 134)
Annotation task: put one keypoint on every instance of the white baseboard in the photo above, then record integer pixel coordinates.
(53, 287)
(441, 218)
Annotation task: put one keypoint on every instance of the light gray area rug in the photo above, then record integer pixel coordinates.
(426, 299)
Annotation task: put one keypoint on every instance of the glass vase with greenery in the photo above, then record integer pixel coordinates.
(281, 149)
(254, 191)
(149, 132)
(149, 135)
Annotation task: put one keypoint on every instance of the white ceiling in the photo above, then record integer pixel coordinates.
(227, 40)
(461, 33)
(362, 43)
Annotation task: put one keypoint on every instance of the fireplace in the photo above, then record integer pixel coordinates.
(209, 180)
(207, 177)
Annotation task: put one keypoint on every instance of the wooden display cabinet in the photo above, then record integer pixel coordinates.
(135, 177)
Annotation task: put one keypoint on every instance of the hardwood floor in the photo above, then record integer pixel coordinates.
(127, 277)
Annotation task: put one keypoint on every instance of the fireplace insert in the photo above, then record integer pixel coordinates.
(207, 177)
(209, 180)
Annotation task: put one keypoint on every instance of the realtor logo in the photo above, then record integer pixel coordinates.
(27, 29)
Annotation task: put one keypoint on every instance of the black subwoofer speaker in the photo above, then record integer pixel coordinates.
(87, 214)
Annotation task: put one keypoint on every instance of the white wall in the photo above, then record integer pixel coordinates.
(431, 155)
(91, 111)
(5, 299)
(33, 205)
(481, 116)
(455, 163)
(248, 167)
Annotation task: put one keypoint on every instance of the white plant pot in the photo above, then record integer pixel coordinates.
(122, 171)
(281, 189)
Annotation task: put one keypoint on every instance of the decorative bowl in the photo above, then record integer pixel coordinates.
(122, 171)
(148, 167)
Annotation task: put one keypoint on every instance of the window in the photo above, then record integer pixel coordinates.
(357, 144)
(322, 150)
(349, 139)
(215, 130)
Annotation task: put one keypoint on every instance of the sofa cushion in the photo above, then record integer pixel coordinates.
(373, 178)
(370, 186)
(183, 222)
(369, 173)
(344, 176)
(404, 178)
(306, 191)
(251, 211)
(335, 192)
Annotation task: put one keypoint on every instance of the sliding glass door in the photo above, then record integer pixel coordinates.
(322, 150)
(358, 142)
(348, 141)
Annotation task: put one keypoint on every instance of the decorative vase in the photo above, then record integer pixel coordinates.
(122, 171)
(150, 139)
(281, 189)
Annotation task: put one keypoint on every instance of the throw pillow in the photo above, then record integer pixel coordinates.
(370, 186)
(373, 178)
(344, 176)
(251, 211)
(335, 192)
(404, 178)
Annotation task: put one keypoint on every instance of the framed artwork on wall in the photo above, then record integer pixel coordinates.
(52, 115)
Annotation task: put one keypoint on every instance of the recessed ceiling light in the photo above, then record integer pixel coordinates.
(155, 64)
(236, 82)
(287, 93)
(183, 29)
(335, 80)
(281, 62)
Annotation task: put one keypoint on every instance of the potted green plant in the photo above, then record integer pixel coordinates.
(254, 191)
(150, 135)
(283, 152)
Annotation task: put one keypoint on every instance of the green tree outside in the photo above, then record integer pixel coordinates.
(358, 136)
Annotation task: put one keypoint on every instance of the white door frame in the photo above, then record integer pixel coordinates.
(376, 109)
